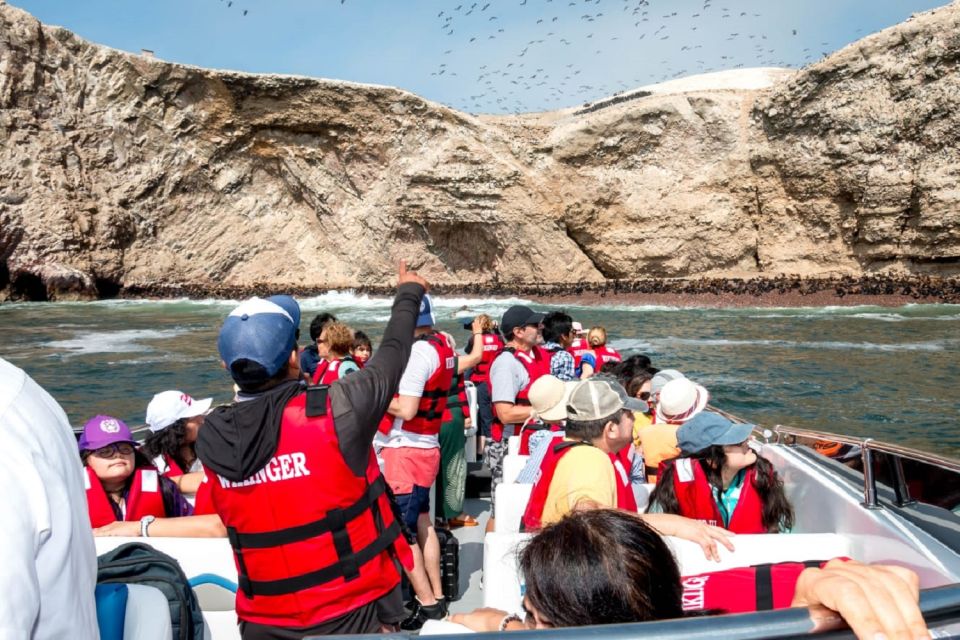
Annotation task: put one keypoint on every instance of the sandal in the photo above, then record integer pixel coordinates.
(465, 521)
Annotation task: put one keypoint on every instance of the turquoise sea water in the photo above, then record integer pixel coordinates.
(891, 373)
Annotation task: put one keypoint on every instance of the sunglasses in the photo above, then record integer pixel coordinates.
(114, 450)
(645, 396)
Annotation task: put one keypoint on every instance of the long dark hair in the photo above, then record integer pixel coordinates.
(777, 510)
(601, 566)
(169, 441)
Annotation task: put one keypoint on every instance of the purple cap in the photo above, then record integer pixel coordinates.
(100, 431)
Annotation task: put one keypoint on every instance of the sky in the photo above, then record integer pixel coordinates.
(489, 56)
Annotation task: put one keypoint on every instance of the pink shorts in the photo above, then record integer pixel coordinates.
(404, 467)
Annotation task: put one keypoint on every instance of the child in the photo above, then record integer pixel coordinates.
(720, 480)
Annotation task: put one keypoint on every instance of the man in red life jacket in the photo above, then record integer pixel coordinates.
(293, 475)
(585, 468)
(511, 375)
(411, 454)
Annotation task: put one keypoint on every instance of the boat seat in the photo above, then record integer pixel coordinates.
(513, 446)
(512, 466)
(501, 579)
(141, 620)
(511, 502)
(214, 592)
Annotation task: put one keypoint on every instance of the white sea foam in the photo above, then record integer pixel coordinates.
(790, 344)
(125, 341)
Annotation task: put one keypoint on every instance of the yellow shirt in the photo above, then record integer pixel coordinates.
(658, 443)
(583, 473)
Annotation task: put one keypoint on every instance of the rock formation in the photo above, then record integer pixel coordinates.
(120, 171)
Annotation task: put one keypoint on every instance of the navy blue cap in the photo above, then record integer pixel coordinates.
(288, 304)
(707, 429)
(260, 331)
(426, 317)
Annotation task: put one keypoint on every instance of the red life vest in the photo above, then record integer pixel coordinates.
(537, 363)
(577, 348)
(143, 499)
(457, 398)
(605, 354)
(529, 428)
(173, 469)
(696, 501)
(433, 400)
(492, 346)
(302, 561)
(758, 588)
(541, 486)
(328, 371)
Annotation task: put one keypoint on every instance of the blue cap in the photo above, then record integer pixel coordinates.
(288, 304)
(426, 319)
(260, 331)
(707, 429)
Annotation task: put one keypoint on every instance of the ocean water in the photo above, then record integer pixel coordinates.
(889, 373)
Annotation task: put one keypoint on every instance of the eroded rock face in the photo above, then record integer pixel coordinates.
(119, 170)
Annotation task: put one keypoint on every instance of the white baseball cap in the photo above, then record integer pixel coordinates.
(170, 406)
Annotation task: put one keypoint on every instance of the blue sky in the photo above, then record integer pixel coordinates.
(490, 56)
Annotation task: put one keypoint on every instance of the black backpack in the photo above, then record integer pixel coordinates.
(449, 563)
(137, 563)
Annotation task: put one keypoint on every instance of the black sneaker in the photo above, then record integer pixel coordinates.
(422, 613)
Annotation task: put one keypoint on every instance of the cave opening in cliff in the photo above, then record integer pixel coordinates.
(107, 288)
(28, 286)
(4, 275)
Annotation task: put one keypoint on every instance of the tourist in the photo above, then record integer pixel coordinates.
(173, 419)
(411, 454)
(548, 399)
(607, 566)
(588, 466)
(721, 480)
(314, 353)
(489, 334)
(452, 479)
(558, 335)
(126, 495)
(336, 339)
(678, 399)
(584, 360)
(48, 556)
(511, 375)
(280, 444)
(597, 339)
(362, 348)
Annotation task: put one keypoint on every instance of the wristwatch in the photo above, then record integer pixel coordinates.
(145, 523)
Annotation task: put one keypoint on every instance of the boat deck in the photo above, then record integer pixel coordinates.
(471, 557)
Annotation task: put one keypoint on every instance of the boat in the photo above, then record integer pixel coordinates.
(856, 497)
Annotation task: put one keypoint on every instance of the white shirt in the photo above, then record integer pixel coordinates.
(424, 362)
(47, 555)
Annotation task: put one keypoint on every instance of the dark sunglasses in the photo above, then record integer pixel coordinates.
(114, 450)
(645, 396)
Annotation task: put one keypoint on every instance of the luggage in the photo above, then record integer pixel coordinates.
(137, 563)
(449, 564)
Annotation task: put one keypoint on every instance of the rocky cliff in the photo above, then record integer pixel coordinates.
(121, 171)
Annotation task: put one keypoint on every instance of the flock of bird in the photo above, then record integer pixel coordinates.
(550, 57)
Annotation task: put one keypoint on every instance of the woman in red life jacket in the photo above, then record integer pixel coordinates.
(720, 480)
(597, 339)
(338, 340)
(484, 329)
(126, 496)
(607, 566)
(362, 348)
(174, 418)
